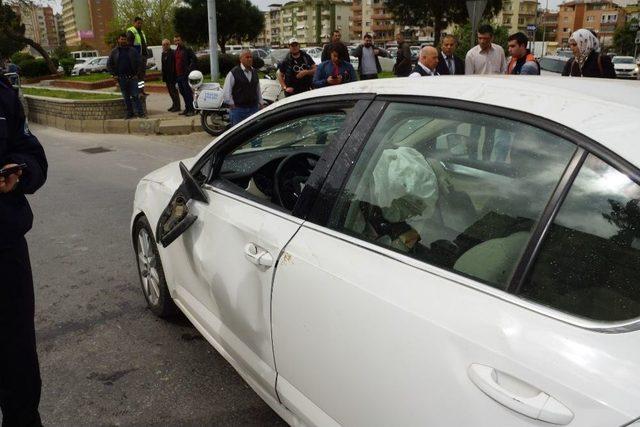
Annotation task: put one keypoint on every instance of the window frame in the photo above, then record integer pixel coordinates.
(345, 164)
(266, 120)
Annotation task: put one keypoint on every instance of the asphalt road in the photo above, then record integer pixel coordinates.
(105, 359)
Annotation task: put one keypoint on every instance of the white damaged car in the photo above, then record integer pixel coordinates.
(451, 252)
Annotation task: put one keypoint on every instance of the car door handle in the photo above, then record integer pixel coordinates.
(258, 256)
(528, 400)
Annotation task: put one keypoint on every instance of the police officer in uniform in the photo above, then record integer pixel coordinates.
(19, 372)
(138, 40)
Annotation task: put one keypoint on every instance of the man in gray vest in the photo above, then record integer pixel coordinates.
(242, 89)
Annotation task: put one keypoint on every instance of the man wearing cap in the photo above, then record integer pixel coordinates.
(296, 70)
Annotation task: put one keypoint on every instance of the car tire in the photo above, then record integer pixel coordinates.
(150, 271)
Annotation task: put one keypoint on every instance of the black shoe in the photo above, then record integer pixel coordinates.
(184, 113)
(190, 113)
(174, 109)
(143, 116)
(128, 117)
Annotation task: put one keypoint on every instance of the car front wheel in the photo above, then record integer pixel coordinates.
(154, 285)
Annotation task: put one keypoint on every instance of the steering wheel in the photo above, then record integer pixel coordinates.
(291, 175)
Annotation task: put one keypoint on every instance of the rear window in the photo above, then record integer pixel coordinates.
(589, 264)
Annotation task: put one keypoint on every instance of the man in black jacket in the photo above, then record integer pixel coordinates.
(402, 68)
(343, 52)
(169, 74)
(449, 63)
(185, 62)
(123, 64)
(20, 382)
(368, 62)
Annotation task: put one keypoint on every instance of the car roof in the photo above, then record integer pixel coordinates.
(604, 110)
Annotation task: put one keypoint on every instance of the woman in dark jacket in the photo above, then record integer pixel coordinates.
(587, 61)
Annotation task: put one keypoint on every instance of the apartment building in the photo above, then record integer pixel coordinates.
(371, 17)
(87, 21)
(309, 21)
(601, 16)
(39, 24)
(517, 14)
(549, 25)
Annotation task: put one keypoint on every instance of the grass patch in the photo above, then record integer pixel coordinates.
(67, 94)
(386, 75)
(94, 77)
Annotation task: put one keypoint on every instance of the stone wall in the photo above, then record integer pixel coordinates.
(96, 116)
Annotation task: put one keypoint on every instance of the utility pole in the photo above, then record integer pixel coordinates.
(213, 39)
(475, 9)
(544, 27)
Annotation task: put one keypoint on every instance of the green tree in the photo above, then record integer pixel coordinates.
(463, 34)
(624, 39)
(237, 20)
(436, 13)
(157, 19)
(9, 46)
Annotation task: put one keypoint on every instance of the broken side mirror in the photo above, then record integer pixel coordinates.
(176, 218)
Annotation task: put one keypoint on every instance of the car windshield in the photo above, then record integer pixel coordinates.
(623, 60)
(565, 53)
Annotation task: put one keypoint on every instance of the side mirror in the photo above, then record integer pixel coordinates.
(176, 218)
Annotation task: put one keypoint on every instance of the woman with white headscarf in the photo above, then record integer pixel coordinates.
(587, 61)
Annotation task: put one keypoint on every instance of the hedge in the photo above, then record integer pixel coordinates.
(34, 68)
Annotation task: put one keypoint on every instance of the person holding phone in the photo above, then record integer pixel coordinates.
(23, 167)
(334, 71)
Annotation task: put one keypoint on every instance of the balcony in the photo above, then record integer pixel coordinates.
(609, 27)
(382, 16)
(356, 28)
(356, 8)
(383, 27)
(527, 12)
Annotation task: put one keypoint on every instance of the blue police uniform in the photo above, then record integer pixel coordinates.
(19, 372)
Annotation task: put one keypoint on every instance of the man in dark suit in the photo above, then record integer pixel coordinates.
(449, 63)
(169, 74)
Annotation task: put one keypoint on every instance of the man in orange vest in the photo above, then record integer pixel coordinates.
(522, 61)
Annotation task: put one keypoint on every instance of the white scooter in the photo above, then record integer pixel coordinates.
(208, 100)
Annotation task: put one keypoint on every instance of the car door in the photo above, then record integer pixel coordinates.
(408, 301)
(224, 258)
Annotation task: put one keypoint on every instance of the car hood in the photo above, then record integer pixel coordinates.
(169, 174)
(625, 66)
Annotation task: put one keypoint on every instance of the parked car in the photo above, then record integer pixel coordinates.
(92, 65)
(313, 51)
(565, 53)
(626, 67)
(552, 64)
(84, 54)
(437, 254)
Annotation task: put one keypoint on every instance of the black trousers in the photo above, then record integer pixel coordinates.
(173, 93)
(19, 371)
